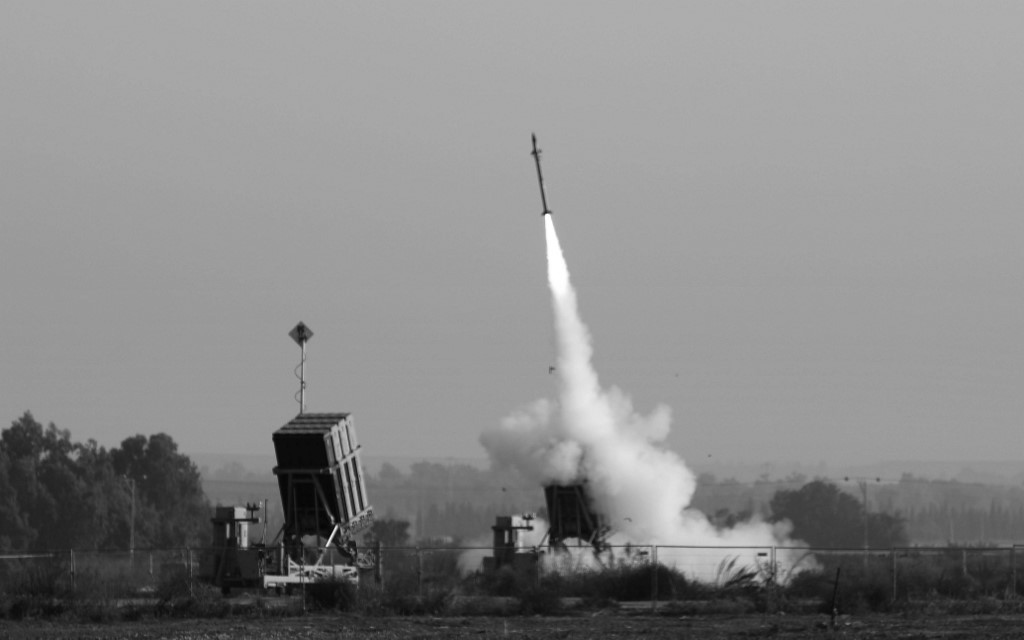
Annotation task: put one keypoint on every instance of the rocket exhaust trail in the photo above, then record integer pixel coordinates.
(579, 382)
(577, 376)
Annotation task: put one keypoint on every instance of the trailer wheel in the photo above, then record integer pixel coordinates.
(225, 590)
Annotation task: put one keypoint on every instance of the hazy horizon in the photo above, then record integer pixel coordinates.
(1002, 472)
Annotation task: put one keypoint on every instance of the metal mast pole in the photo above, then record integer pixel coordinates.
(864, 494)
(301, 335)
(302, 380)
(131, 527)
(863, 484)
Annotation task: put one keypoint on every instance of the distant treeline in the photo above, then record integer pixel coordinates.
(934, 512)
(59, 494)
(449, 502)
(461, 501)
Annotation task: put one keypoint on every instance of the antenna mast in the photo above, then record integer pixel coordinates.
(301, 335)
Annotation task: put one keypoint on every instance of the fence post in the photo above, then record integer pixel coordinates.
(378, 568)
(1013, 572)
(892, 569)
(191, 595)
(654, 578)
(419, 572)
(773, 585)
(540, 570)
(73, 580)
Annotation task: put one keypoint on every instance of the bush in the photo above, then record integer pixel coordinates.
(175, 584)
(512, 581)
(860, 590)
(401, 597)
(337, 594)
(539, 599)
(629, 583)
(36, 590)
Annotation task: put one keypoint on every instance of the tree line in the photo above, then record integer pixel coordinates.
(460, 502)
(933, 511)
(59, 494)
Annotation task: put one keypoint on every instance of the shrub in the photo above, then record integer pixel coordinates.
(510, 580)
(336, 594)
(175, 584)
(860, 589)
(629, 583)
(539, 599)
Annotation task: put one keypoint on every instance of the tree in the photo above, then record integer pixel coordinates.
(15, 532)
(824, 516)
(58, 494)
(46, 481)
(389, 474)
(389, 532)
(170, 507)
(108, 504)
(53, 493)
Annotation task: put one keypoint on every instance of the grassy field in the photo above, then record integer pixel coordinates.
(947, 594)
(601, 625)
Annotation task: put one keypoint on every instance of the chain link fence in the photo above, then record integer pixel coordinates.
(103, 575)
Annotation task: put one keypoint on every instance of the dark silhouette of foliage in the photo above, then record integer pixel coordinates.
(15, 532)
(59, 494)
(171, 509)
(826, 517)
(389, 532)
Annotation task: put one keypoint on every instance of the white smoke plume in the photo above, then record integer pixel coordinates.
(594, 435)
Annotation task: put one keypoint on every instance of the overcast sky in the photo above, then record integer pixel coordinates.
(797, 224)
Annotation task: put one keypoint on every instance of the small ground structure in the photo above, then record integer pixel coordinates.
(233, 561)
(509, 547)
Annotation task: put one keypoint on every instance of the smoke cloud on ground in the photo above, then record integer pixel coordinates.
(593, 435)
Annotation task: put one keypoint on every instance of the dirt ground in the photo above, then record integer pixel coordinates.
(601, 625)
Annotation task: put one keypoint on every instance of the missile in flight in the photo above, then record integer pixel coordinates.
(540, 178)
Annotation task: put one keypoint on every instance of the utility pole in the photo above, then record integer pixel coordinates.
(131, 524)
(863, 484)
